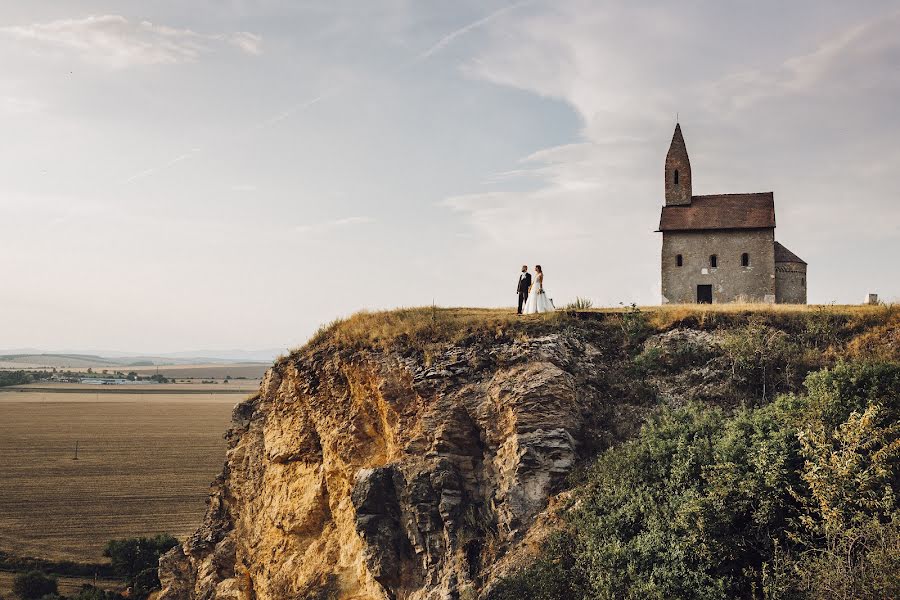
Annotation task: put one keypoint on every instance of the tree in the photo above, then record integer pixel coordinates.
(33, 585)
(137, 560)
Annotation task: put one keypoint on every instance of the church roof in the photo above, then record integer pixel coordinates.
(783, 255)
(721, 211)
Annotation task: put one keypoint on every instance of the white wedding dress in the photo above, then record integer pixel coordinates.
(538, 300)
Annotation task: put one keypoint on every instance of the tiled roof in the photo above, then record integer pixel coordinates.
(783, 255)
(721, 211)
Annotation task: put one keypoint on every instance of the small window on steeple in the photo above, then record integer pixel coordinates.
(676, 176)
(745, 260)
(713, 261)
(679, 260)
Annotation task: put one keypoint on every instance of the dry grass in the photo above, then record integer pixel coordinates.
(145, 464)
(425, 327)
(665, 317)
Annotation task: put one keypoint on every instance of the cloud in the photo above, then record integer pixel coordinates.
(861, 57)
(335, 224)
(453, 35)
(154, 170)
(113, 41)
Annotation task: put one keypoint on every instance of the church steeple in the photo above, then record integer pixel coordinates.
(678, 171)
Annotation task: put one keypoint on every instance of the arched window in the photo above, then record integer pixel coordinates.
(745, 260)
(713, 261)
(803, 281)
(676, 176)
(679, 261)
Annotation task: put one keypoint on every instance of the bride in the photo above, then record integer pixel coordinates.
(538, 301)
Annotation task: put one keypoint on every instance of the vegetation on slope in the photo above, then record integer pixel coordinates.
(791, 499)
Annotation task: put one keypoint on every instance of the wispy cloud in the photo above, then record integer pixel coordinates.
(453, 35)
(114, 41)
(863, 56)
(154, 170)
(335, 224)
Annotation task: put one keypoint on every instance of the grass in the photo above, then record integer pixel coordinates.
(145, 465)
(428, 327)
(420, 327)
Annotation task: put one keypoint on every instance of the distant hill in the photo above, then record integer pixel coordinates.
(80, 360)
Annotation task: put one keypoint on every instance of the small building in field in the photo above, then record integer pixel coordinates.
(721, 248)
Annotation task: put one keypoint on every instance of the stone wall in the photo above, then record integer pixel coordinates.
(731, 282)
(790, 283)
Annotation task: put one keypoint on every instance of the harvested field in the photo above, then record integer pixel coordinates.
(68, 586)
(248, 370)
(144, 466)
(179, 390)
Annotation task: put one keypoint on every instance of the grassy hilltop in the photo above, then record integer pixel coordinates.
(854, 331)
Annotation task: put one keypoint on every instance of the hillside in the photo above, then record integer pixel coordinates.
(424, 453)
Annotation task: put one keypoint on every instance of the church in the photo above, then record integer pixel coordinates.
(722, 248)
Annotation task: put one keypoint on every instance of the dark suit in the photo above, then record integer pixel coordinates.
(524, 284)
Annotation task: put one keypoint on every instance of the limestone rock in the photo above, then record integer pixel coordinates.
(374, 475)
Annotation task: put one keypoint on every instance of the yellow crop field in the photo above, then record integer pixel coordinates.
(145, 462)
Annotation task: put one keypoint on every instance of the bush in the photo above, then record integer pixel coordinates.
(762, 357)
(137, 560)
(33, 585)
(794, 499)
(686, 510)
(635, 326)
(580, 304)
(552, 576)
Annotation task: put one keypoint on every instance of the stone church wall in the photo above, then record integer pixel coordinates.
(790, 283)
(730, 281)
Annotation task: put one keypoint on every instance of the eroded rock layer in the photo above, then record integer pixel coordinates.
(401, 474)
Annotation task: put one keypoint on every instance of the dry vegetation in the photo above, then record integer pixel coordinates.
(857, 330)
(145, 464)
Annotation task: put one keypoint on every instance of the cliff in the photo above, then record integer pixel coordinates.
(414, 455)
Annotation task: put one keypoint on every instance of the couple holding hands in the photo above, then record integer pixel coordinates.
(533, 297)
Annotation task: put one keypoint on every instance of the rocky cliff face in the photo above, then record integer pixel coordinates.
(404, 474)
(419, 462)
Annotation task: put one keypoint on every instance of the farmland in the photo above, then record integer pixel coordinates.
(146, 457)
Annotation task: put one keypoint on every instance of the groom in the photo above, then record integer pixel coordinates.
(523, 287)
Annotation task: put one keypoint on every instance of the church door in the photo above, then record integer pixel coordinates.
(704, 294)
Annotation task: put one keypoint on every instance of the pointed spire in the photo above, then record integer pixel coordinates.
(678, 171)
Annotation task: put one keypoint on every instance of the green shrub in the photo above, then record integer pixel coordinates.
(33, 585)
(791, 500)
(687, 508)
(763, 358)
(552, 576)
(137, 561)
(635, 325)
(835, 393)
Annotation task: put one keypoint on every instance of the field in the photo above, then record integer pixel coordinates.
(249, 370)
(67, 585)
(146, 457)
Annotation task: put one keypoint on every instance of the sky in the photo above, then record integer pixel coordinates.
(233, 173)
